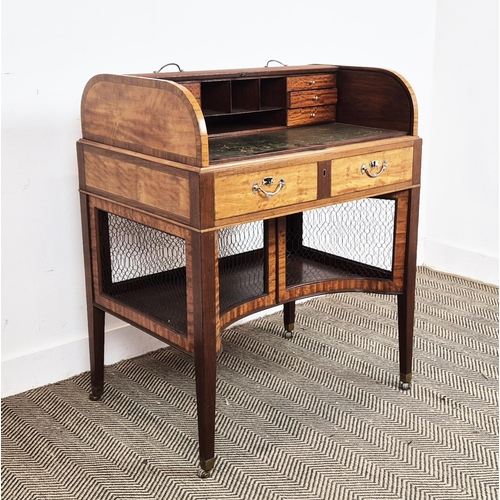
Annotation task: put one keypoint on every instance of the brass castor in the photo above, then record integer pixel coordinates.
(203, 474)
(96, 393)
(405, 381)
(206, 467)
(288, 335)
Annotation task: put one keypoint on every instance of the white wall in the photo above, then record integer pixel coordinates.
(49, 51)
(460, 184)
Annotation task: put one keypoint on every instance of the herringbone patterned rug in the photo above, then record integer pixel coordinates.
(317, 417)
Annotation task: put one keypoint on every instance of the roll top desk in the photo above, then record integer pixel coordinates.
(208, 196)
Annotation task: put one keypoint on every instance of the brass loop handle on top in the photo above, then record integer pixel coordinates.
(267, 182)
(169, 64)
(373, 164)
(274, 60)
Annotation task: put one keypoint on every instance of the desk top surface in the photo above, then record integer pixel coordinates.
(229, 147)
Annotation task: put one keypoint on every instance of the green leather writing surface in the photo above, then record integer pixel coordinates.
(291, 139)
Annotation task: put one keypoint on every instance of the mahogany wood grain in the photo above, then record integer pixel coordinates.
(205, 199)
(191, 76)
(324, 179)
(95, 315)
(289, 316)
(311, 81)
(205, 317)
(401, 243)
(417, 161)
(96, 325)
(375, 98)
(195, 89)
(309, 116)
(406, 301)
(308, 98)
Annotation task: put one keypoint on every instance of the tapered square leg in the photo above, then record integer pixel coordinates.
(205, 367)
(406, 301)
(289, 318)
(95, 316)
(96, 343)
(406, 305)
(205, 279)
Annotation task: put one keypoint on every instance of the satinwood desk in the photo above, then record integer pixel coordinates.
(207, 196)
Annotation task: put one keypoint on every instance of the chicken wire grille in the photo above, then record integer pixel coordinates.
(348, 240)
(242, 266)
(144, 268)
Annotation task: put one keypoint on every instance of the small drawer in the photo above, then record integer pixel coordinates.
(310, 82)
(194, 88)
(306, 98)
(256, 190)
(373, 170)
(309, 116)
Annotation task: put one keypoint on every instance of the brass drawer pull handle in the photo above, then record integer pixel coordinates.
(312, 82)
(315, 98)
(373, 164)
(266, 182)
(313, 115)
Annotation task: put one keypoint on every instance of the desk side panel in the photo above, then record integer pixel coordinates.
(376, 98)
(153, 117)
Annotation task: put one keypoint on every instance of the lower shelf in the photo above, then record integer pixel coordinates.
(242, 278)
(302, 270)
(160, 296)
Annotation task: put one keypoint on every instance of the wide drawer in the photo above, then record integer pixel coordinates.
(257, 190)
(308, 116)
(310, 82)
(307, 98)
(372, 170)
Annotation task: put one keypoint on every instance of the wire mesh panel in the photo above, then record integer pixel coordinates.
(349, 240)
(145, 269)
(242, 266)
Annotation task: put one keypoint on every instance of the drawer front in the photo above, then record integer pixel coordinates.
(310, 82)
(244, 193)
(307, 98)
(373, 170)
(194, 88)
(309, 116)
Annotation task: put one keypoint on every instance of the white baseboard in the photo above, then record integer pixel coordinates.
(39, 368)
(461, 262)
(35, 369)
